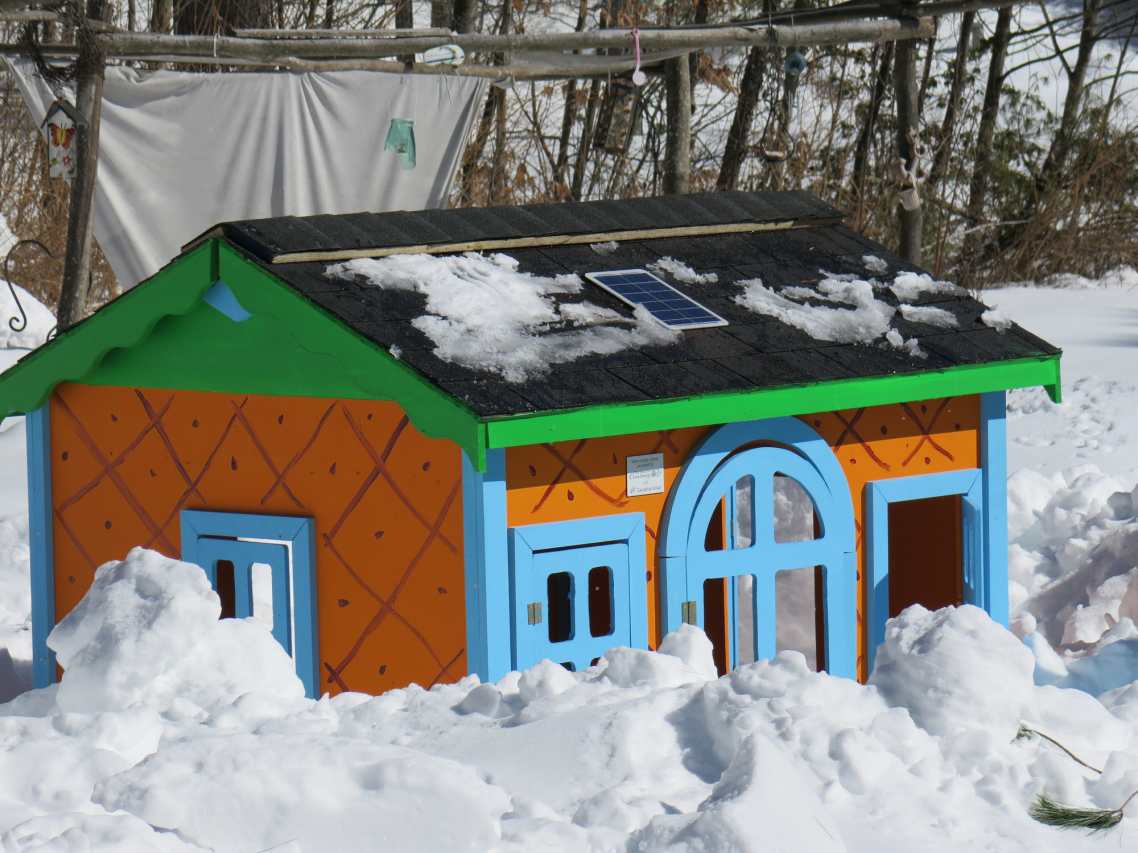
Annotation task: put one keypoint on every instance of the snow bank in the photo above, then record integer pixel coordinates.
(15, 608)
(1119, 277)
(174, 731)
(927, 665)
(148, 633)
(1073, 561)
(485, 314)
(254, 791)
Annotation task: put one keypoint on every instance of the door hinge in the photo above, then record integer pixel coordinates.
(688, 613)
(533, 612)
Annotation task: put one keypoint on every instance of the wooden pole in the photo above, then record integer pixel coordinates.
(908, 151)
(677, 149)
(88, 103)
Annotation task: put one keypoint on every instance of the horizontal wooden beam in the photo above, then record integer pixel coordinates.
(275, 51)
(343, 34)
(572, 67)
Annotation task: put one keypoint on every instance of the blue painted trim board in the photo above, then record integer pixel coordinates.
(486, 571)
(38, 426)
(994, 464)
(300, 532)
(221, 298)
(878, 496)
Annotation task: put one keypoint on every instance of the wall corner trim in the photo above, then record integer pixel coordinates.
(994, 464)
(486, 566)
(41, 541)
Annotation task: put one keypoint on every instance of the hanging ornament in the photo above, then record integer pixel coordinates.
(60, 127)
(795, 64)
(638, 76)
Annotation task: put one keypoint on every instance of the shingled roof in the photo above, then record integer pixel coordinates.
(786, 239)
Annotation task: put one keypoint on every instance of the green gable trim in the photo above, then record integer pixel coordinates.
(287, 348)
(622, 419)
(120, 325)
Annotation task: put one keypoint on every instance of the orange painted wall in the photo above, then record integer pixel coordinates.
(386, 500)
(580, 479)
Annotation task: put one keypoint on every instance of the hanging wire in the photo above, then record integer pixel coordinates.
(20, 322)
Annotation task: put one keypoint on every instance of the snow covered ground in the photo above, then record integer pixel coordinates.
(174, 731)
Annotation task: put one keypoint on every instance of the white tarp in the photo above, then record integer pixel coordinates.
(180, 152)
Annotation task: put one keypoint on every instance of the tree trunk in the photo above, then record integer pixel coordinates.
(441, 13)
(982, 159)
(699, 19)
(131, 16)
(161, 16)
(868, 126)
(930, 47)
(738, 137)
(206, 17)
(329, 14)
(462, 17)
(908, 150)
(405, 20)
(568, 117)
(586, 143)
(677, 150)
(1050, 174)
(88, 103)
(955, 91)
(498, 166)
(475, 148)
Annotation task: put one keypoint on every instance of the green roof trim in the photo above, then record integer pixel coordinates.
(119, 325)
(164, 335)
(709, 409)
(287, 348)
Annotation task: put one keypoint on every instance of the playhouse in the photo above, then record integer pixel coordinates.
(400, 515)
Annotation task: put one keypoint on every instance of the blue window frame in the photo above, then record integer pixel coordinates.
(968, 484)
(577, 589)
(285, 544)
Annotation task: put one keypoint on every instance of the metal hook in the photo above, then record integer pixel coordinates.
(18, 324)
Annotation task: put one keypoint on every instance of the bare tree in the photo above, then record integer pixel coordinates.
(982, 155)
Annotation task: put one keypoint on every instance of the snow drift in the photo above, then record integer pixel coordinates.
(172, 730)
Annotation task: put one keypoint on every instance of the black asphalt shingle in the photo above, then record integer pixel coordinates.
(753, 351)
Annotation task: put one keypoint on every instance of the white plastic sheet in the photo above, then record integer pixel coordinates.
(180, 152)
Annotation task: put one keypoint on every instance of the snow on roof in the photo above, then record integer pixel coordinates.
(485, 314)
(854, 313)
(682, 272)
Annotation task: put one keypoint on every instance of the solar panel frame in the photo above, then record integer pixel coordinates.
(667, 305)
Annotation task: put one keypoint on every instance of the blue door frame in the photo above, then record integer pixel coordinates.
(762, 449)
(203, 531)
(968, 484)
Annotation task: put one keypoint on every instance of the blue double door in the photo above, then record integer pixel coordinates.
(757, 546)
(578, 589)
(231, 566)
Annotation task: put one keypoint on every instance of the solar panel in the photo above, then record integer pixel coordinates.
(664, 302)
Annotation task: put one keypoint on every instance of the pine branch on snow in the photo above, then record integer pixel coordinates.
(1053, 813)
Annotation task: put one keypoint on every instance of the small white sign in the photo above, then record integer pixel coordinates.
(645, 474)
